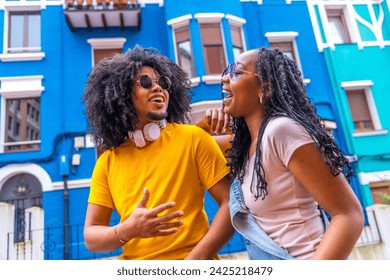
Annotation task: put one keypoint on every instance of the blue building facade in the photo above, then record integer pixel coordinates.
(49, 47)
(355, 40)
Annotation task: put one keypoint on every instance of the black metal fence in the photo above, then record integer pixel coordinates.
(49, 244)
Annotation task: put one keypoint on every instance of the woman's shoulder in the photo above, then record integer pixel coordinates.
(283, 124)
(284, 135)
(285, 128)
(282, 120)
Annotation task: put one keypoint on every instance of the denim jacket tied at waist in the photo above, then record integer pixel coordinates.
(259, 245)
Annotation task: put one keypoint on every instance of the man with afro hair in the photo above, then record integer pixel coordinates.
(155, 168)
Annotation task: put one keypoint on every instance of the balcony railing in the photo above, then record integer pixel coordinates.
(92, 14)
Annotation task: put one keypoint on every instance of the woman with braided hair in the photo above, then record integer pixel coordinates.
(283, 164)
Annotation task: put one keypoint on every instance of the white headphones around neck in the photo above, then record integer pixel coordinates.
(150, 132)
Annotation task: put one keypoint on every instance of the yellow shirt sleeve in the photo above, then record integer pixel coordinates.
(210, 159)
(99, 190)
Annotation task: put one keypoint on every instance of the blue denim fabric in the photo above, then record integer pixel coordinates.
(259, 245)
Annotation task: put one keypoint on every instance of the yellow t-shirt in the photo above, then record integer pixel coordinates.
(179, 166)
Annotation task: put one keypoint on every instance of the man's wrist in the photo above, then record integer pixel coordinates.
(121, 240)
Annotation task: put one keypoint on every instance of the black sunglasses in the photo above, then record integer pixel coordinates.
(146, 82)
(231, 70)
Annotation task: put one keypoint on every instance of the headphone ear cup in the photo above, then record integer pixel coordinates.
(151, 131)
(139, 138)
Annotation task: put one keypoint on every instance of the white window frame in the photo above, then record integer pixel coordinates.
(213, 18)
(17, 87)
(349, 21)
(286, 37)
(176, 23)
(237, 22)
(10, 57)
(366, 86)
(105, 43)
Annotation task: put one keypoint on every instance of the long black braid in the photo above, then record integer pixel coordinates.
(286, 96)
(109, 109)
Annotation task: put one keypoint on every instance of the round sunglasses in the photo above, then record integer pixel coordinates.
(146, 82)
(231, 70)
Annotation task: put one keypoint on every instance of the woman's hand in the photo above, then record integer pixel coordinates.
(215, 122)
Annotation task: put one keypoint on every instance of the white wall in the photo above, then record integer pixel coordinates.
(7, 225)
(31, 249)
(379, 220)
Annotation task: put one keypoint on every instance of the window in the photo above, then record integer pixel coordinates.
(362, 107)
(24, 31)
(286, 42)
(286, 47)
(184, 50)
(213, 49)
(183, 46)
(20, 113)
(105, 47)
(359, 110)
(236, 33)
(380, 192)
(338, 27)
(238, 47)
(23, 131)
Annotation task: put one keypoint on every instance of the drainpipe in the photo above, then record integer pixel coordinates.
(66, 218)
(64, 162)
(65, 172)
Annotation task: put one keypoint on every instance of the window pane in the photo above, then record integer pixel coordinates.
(23, 127)
(337, 31)
(338, 27)
(360, 111)
(34, 32)
(236, 36)
(358, 104)
(236, 40)
(24, 32)
(286, 47)
(212, 48)
(211, 33)
(184, 50)
(215, 59)
(185, 58)
(236, 52)
(16, 33)
(182, 34)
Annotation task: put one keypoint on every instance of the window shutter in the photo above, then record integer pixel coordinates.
(358, 105)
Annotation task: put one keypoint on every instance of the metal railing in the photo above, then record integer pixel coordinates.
(101, 4)
(370, 234)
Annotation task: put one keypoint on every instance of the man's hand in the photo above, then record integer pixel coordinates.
(144, 222)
